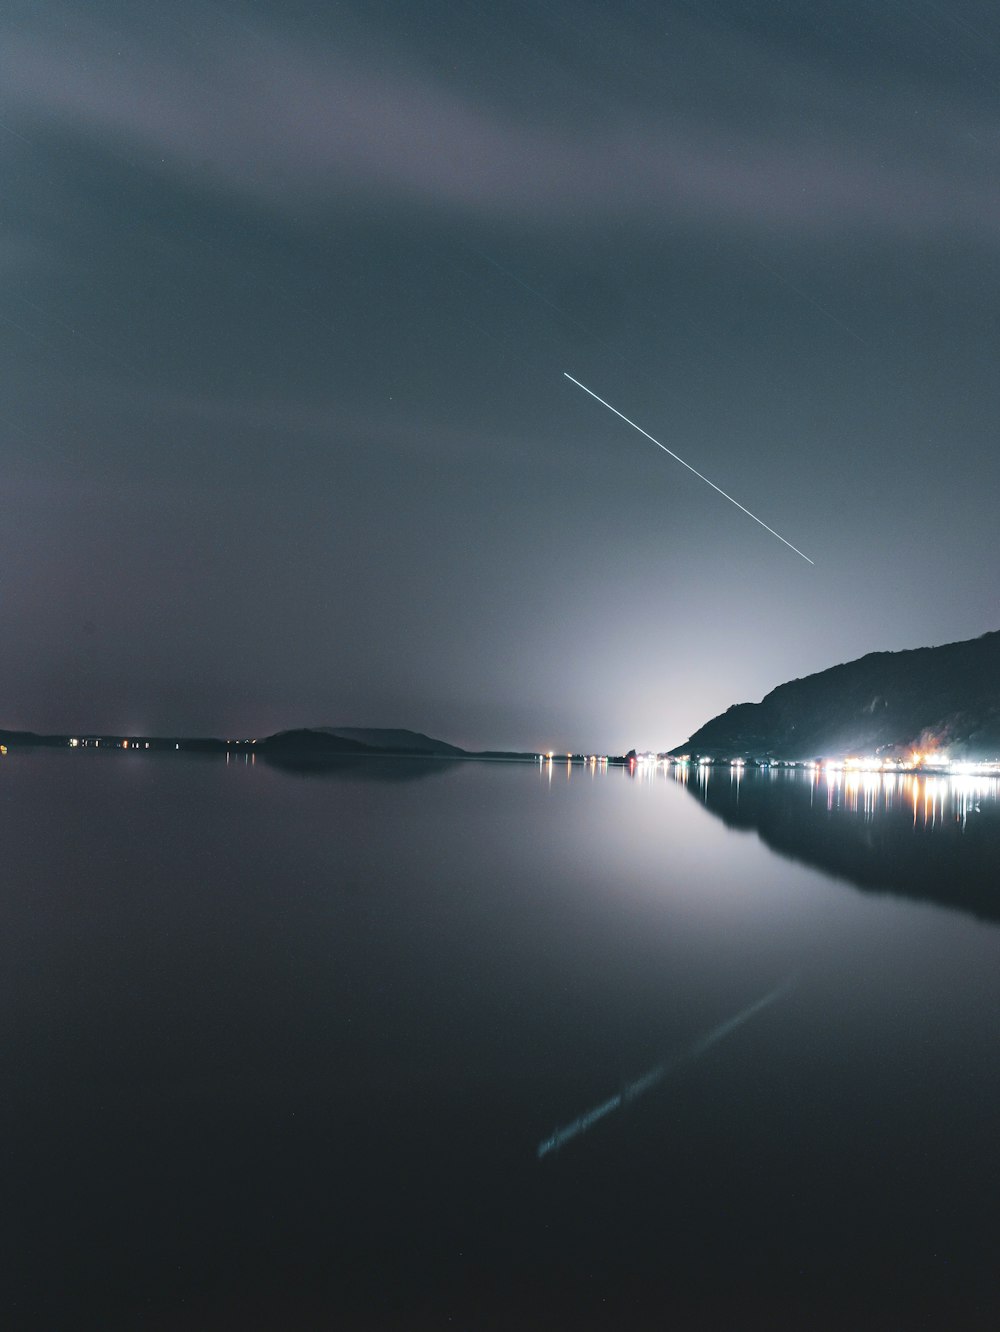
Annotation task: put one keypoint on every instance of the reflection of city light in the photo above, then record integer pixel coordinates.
(935, 798)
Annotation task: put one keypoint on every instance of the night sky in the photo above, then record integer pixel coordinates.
(288, 291)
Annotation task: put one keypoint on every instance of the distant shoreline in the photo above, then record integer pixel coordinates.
(284, 748)
(144, 744)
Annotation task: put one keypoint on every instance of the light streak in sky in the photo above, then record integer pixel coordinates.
(632, 1090)
(54, 319)
(526, 286)
(688, 466)
(8, 129)
(812, 301)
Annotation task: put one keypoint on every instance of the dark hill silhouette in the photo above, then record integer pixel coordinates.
(335, 741)
(317, 741)
(392, 741)
(30, 738)
(887, 702)
(322, 748)
(307, 740)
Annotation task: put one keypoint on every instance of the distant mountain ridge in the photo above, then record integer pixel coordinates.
(334, 740)
(889, 703)
(397, 741)
(387, 741)
(313, 742)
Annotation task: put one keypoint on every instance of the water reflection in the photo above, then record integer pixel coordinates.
(359, 767)
(655, 1075)
(305, 1031)
(931, 799)
(930, 837)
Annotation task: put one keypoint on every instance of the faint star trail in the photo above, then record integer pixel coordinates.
(688, 466)
(811, 300)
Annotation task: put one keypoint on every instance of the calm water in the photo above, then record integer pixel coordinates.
(489, 1046)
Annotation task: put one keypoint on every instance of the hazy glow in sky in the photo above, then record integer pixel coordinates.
(286, 295)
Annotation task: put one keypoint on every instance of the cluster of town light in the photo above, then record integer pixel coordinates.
(915, 762)
(76, 742)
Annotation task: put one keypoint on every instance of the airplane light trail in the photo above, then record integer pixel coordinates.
(632, 1090)
(687, 465)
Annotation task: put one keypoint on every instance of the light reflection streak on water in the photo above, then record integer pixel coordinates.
(652, 1077)
(934, 800)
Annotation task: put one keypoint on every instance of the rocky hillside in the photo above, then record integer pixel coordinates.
(890, 703)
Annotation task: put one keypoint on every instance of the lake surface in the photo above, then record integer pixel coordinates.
(487, 1045)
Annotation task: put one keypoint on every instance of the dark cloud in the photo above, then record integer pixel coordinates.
(295, 124)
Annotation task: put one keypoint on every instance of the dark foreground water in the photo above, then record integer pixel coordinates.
(488, 1046)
